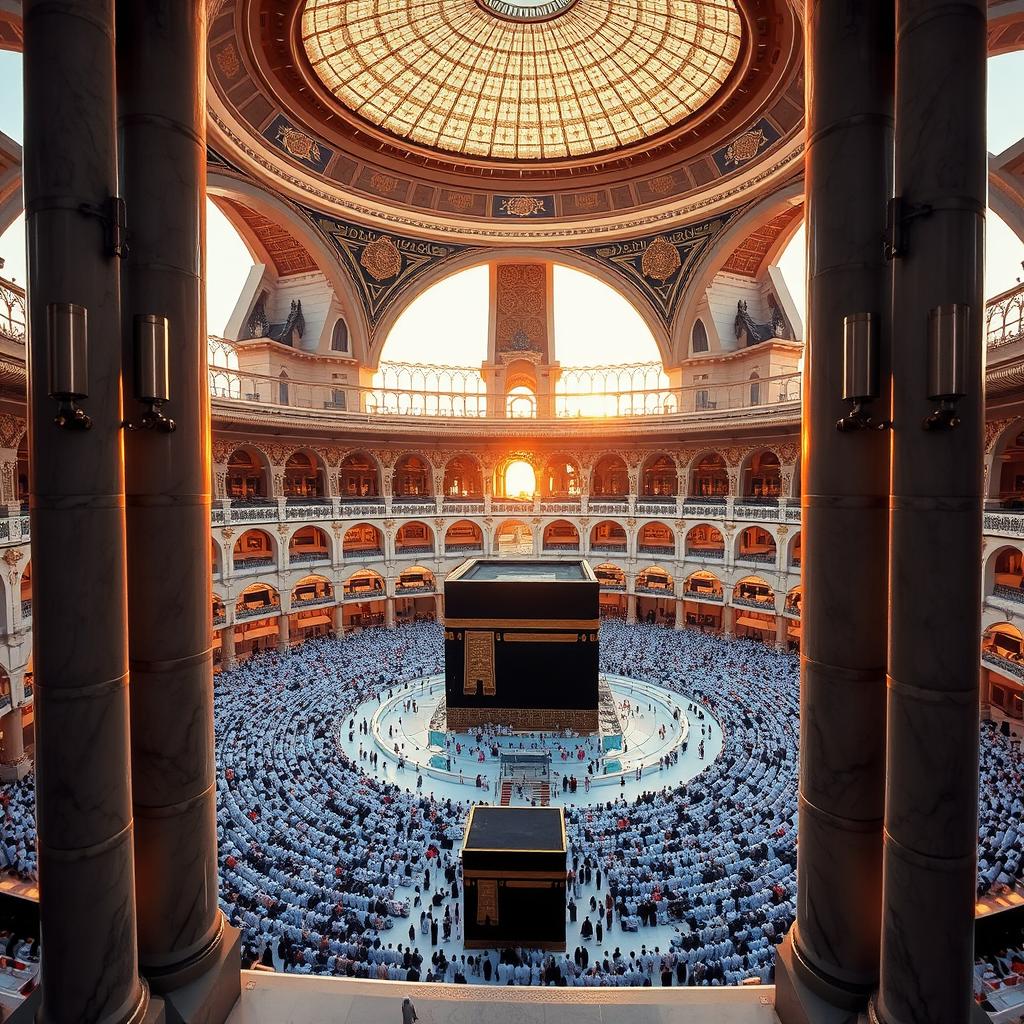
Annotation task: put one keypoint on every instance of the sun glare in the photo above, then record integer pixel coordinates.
(520, 480)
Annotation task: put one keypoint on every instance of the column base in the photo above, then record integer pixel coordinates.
(798, 1001)
(978, 1015)
(15, 772)
(209, 996)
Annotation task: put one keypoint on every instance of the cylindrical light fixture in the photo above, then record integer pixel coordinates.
(67, 347)
(948, 327)
(152, 382)
(151, 340)
(860, 370)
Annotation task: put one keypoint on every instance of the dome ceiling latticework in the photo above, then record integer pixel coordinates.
(486, 79)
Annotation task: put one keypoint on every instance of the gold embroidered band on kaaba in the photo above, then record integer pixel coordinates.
(507, 624)
(479, 663)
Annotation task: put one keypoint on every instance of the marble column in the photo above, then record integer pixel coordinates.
(931, 809)
(438, 608)
(631, 608)
(780, 631)
(389, 612)
(728, 620)
(79, 628)
(338, 620)
(283, 633)
(161, 53)
(227, 646)
(831, 954)
(680, 619)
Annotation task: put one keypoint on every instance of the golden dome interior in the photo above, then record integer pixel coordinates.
(458, 76)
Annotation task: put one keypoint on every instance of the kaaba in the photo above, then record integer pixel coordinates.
(513, 877)
(520, 645)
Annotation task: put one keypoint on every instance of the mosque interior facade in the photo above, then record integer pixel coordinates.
(314, 491)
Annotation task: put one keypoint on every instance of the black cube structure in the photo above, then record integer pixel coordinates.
(513, 875)
(520, 645)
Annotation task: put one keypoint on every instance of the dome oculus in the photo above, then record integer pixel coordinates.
(468, 77)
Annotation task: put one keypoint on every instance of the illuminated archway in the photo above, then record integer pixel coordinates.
(519, 480)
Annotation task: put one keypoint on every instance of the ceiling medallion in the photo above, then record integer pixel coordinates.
(526, 10)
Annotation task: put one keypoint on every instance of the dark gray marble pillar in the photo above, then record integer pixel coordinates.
(80, 651)
(161, 52)
(931, 827)
(844, 502)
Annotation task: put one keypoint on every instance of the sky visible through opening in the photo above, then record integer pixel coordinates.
(593, 324)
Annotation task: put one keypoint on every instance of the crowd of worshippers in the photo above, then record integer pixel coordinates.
(329, 871)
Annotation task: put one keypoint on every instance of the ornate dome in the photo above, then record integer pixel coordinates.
(522, 80)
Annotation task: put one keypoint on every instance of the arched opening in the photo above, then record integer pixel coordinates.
(362, 542)
(311, 614)
(339, 336)
(5, 689)
(25, 593)
(756, 544)
(253, 550)
(659, 479)
(561, 535)
(561, 479)
(656, 602)
(699, 338)
(518, 481)
(795, 552)
(359, 478)
(612, 597)
(414, 538)
(303, 478)
(1007, 575)
(309, 544)
(703, 600)
(414, 595)
(656, 539)
(710, 478)
(256, 613)
(753, 592)
(608, 536)
(413, 479)
(215, 558)
(312, 590)
(219, 611)
(513, 537)
(1009, 473)
(364, 595)
(463, 538)
(521, 402)
(794, 601)
(247, 478)
(755, 600)
(762, 476)
(705, 541)
(610, 478)
(462, 479)
(755, 389)
(283, 389)
(1002, 655)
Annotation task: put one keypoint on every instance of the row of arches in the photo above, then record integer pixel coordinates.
(248, 477)
(257, 548)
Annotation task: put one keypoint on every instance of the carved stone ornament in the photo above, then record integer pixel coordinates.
(381, 259)
(12, 556)
(660, 260)
(522, 206)
(298, 144)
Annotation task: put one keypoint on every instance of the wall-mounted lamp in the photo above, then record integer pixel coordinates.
(67, 341)
(860, 371)
(948, 328)
(152, 385)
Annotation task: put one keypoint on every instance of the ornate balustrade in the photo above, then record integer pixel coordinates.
(312, 602)
(706, 596)
(307, 557)
(252, 562)
(262, 611)
(1004, 318)
(1014, 594)
(12, 311)
(765, 605)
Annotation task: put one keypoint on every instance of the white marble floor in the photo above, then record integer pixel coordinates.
(289, 999)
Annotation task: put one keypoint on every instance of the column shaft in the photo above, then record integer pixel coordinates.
(80, 653)
(283, 632)
(849, 98)
(227, 646)
(12, 744)
(162, 121)
(931, 811)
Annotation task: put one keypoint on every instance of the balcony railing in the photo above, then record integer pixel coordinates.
(708, 596)
(600, 393)
(717, 553)
(762, 557)
(311, 602)
(257, 611)
(761, 603)
(253, 562)
(1004, 318)
(561, 545)
(305, 557)
(12, 311)
(1014, 594)
(359, 554)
